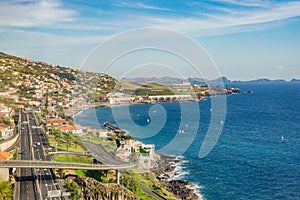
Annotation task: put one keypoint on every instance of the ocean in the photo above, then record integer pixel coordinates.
(257, 155)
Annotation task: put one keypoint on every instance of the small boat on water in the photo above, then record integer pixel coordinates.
(181, 131)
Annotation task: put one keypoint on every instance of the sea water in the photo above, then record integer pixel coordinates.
(257, 155)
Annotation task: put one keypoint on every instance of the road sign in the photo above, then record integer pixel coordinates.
(54, 193)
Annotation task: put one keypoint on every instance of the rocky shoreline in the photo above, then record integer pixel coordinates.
(180, 188)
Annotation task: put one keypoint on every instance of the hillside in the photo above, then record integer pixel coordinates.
(23, 81)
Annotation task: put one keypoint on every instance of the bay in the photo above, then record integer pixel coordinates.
(256, 156)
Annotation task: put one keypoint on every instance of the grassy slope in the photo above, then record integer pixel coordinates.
(63, 145)
(147, 180)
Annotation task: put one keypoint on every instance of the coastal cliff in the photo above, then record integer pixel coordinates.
(91, 189)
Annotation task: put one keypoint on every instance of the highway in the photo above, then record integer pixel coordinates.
(45, 176)
(26, 188)
(34, 176)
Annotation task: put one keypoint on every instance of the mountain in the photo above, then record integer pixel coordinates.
(265, 80)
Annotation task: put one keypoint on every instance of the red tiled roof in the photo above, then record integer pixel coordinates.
(5, 155)
(68, 128)
(56, 121)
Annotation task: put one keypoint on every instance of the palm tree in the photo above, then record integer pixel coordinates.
(57, 135)
(5, 190)
(69, 138)
(76, 140)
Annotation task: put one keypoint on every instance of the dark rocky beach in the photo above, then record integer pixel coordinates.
(180, 188)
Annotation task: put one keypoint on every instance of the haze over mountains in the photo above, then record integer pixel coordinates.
(199, 81)
(70, 74)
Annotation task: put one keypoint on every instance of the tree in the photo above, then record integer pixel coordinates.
(5, 190)
(69, 138)
(57, 135)
(72, 187)
(76, 140)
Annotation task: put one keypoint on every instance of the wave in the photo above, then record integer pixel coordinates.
(180, 172)
(196, 188)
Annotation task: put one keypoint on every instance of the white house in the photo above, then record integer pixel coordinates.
(6, 130)
(70, 128)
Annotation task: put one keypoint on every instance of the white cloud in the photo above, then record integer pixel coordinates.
(232, 20)
(247, 3)
(237, 21)
(139, 5)
(33, 13)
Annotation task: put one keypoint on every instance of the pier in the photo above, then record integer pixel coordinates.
(114, 128)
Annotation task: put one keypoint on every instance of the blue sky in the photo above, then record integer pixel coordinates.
(246, 39)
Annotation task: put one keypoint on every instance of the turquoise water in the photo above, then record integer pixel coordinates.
(257, 155)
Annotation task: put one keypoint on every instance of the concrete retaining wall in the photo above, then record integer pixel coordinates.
(8, 142)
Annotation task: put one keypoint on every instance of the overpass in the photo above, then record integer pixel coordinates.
(59, 165)
(70, 153)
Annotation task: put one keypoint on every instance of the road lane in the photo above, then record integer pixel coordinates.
(25, 177)
(45, 177)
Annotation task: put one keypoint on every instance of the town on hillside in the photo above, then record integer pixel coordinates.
(51, 95)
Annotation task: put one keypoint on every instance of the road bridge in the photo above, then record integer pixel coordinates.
(70, 153)
(59, 165)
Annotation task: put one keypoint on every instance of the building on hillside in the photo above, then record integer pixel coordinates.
(34, 103)
(6, 114)
(6, 130)
(55, 122)
(4, 108)
(185, 86)
(149, 148)
(67, 172)
(70, 128)
(98, 132)
(5, 155)
(18, 105)
(124, 152)
(4, 172)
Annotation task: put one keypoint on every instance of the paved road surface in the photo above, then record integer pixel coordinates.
(40, 145)
(101, 155)
(25, 177)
